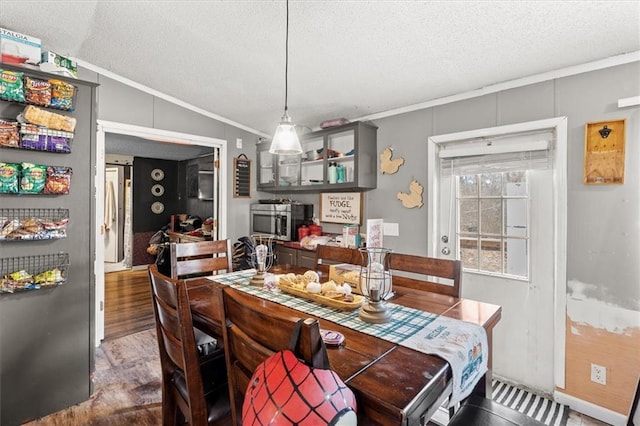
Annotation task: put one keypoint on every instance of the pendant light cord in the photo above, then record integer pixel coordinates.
(286, 63)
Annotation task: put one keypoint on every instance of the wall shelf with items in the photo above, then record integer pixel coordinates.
(22, 224)
(31, 87)
(336, 159)
(25, 273)
(34, 179)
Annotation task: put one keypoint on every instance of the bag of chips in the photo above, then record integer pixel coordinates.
(9, 174)
(33, 178)
(62, 94)
(58, 180)
(11, 87)
(9, 133)
(37, 92)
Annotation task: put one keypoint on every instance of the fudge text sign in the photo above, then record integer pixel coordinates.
(342, 207)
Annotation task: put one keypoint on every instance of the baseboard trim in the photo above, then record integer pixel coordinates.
(592, 410)
(139, 267)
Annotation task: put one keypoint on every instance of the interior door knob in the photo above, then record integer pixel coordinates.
(446, 251)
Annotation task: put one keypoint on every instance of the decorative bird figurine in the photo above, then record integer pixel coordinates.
(387, 165)
(414, 197)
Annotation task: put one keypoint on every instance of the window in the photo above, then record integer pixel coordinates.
(493, 218)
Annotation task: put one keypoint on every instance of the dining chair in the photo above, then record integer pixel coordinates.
(253, 332)
(418, 272)
(331, 255)
(200, 258)
(194, 387)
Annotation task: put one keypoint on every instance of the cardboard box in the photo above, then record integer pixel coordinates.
(346, 273)
(60, 61)
(17, 48)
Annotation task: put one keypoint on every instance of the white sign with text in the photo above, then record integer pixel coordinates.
(341, 207)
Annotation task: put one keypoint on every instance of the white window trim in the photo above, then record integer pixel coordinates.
(559, 126)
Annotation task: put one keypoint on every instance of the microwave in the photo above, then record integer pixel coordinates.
(280, 220)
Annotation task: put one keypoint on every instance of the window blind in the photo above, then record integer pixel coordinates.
(528, 151)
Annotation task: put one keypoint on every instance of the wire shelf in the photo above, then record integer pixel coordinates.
(33, 272)
(33, 224)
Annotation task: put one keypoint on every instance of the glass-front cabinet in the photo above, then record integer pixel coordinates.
(341, 158)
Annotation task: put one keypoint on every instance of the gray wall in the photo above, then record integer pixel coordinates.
(46, 355)
(120, 103)
(602, 220)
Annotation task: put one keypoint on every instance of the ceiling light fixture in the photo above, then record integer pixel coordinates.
(285, 141)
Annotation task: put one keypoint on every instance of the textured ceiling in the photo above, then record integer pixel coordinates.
(347, 58)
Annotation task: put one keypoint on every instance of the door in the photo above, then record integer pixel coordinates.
(504, 242)
(111, 206)
(495, 209)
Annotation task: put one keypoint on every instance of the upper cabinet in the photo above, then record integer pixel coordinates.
(336, 159)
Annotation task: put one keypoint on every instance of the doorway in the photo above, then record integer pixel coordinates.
(118, 213)
(499, 205)
(149, 136)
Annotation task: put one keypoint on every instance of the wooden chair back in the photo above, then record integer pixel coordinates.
(331, 255)
(200, 258)
(182, 381)
(634, 415)
(418, 272)
(256, 329)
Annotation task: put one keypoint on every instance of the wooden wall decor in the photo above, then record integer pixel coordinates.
(387, 165)
(604, 152)
(414, 197)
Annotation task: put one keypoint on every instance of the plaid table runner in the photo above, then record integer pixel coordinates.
(462, 344)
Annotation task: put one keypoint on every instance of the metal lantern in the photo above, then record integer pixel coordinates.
(261, 257)
(375, 284)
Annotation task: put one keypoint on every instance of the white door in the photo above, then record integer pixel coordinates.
(499, 218)
(111, 197)
(506, 248)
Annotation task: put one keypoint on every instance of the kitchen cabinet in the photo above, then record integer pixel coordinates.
(337, 159)
(296, 257)
(285, 255)
(306, 259)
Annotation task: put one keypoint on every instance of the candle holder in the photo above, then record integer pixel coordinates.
(261, 257)
(375, 284)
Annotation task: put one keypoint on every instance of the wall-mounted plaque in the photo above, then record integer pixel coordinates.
(241, 177)
(604, 152)
(341, 207)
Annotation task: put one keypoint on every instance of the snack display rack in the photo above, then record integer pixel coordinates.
(35, 128)
(33, 272)
(29, 224)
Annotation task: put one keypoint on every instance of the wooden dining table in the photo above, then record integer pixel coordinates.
(393, 384)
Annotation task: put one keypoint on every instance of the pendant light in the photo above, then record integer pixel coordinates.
(285, 141)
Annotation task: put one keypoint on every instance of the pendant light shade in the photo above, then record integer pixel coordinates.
(285, 141)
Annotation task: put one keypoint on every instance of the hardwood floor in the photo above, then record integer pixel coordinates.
(128, 306)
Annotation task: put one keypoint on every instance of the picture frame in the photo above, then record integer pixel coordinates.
(341, 207)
